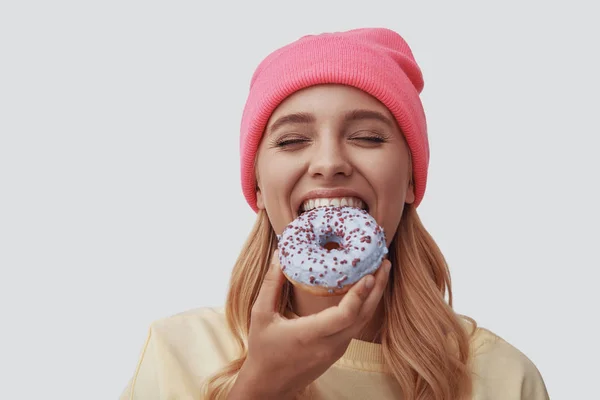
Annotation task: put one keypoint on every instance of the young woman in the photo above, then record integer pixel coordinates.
(335, 117)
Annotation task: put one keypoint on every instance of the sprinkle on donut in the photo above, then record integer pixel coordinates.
(347, 239)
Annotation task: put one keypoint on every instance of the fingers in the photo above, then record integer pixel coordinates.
(356, 307)
(270, 290)
(337, 318)
(381, 279)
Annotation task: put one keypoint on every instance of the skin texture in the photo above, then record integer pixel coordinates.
(366, 156)
(328, 153)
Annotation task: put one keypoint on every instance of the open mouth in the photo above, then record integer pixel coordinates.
(335, 202)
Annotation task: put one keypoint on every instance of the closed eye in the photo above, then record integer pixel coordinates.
(290, 142)
(369, 138)
(375, 139)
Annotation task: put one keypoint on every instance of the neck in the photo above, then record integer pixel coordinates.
(304, 304)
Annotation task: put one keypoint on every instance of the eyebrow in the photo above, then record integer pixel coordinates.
(350, 116)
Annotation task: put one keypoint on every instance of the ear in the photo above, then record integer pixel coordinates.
(410, 193)
(260, 204)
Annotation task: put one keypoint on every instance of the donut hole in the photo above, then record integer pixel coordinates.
(331, 246)
(330, 242)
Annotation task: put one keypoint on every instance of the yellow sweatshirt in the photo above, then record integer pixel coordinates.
(182, 350)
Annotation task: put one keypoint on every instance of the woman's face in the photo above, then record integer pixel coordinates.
(334, 142)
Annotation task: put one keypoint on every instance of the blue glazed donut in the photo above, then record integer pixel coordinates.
(328, 249)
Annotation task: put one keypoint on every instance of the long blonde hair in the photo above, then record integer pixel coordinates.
(424, 342)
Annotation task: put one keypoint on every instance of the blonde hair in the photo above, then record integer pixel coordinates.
(424, 342)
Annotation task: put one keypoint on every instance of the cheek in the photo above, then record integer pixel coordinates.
(388, 177)
(392, 221)
(276, 184)
(390, 200)
(277, 181)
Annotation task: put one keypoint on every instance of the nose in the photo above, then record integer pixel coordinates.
(329, 160)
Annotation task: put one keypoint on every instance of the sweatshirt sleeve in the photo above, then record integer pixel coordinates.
(502, 372)
(145, 382)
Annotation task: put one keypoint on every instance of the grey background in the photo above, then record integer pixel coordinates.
(120, 200)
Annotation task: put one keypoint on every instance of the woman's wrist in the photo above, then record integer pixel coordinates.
(250, 385)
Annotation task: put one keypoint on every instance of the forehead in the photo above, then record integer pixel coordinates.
(329, 101)
(328, 97)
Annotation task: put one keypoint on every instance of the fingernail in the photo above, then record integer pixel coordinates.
(369, 281)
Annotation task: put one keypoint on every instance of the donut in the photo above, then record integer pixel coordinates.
(328, 249)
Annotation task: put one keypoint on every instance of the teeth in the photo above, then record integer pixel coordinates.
(336, 202)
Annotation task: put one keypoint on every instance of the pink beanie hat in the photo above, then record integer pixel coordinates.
(375, 60)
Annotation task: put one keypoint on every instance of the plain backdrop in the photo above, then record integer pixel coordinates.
(120, 200)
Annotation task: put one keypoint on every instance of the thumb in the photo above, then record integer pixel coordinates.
(270, 290)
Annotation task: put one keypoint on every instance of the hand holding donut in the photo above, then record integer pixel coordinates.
(284, 355)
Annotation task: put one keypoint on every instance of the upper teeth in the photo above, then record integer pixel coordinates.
(335, 202)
